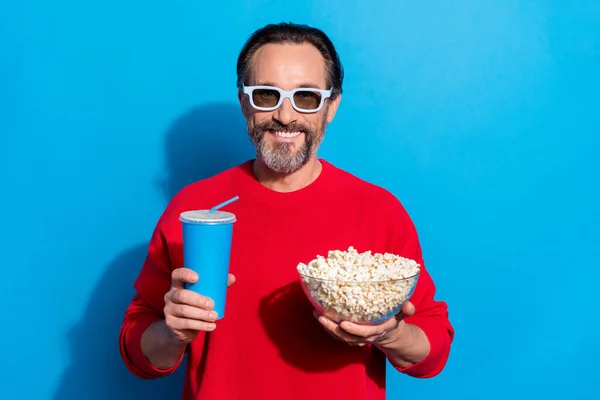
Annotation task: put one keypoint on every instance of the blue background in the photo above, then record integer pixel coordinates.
(482, 117)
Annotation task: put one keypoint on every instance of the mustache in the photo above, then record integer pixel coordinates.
(278, 126)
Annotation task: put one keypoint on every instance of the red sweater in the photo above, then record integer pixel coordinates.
(269, 345)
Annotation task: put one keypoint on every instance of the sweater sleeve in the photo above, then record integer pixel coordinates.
(152, 283)
(431, 315)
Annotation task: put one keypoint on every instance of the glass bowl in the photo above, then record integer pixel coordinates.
(366, 303)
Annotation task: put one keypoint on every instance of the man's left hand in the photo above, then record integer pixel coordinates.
(359, 335)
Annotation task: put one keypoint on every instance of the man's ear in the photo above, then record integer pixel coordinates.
(333, 106)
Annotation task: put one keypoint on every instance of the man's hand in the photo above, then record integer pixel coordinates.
(402, 343)
(187, 312)
(359, 335)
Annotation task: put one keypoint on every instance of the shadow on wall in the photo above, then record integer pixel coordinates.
(199, 144)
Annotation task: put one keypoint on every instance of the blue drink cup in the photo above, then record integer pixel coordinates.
(206, 250)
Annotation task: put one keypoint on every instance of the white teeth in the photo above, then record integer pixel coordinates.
(286, 134)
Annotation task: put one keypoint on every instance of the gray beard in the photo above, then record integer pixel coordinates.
(280, 157)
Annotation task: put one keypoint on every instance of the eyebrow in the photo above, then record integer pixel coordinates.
(302, 85)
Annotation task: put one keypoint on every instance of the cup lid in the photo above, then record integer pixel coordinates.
(206, 217)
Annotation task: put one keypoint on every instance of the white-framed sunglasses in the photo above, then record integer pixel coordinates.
(269, 98)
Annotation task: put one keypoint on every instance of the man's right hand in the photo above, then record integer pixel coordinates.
(187, 313)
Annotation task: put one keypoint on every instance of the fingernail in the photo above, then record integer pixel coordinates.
(212, 327)
(214, 315)
(209, 304)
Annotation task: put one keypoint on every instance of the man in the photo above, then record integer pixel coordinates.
(292, 206)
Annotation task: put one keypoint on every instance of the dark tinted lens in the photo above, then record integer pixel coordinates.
(265, 97)
(307, 99)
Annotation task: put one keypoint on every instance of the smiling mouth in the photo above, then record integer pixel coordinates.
(286, 134)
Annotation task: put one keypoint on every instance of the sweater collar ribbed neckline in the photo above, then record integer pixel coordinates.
(308, 195)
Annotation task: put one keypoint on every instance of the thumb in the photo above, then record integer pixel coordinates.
(181, 276)
(230, 280)
(408, 310)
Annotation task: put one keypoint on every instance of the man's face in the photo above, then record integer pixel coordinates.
(286, 139)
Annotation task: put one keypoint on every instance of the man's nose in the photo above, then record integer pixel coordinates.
(286, 113)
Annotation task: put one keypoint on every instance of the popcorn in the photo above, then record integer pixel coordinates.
(359, 287)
